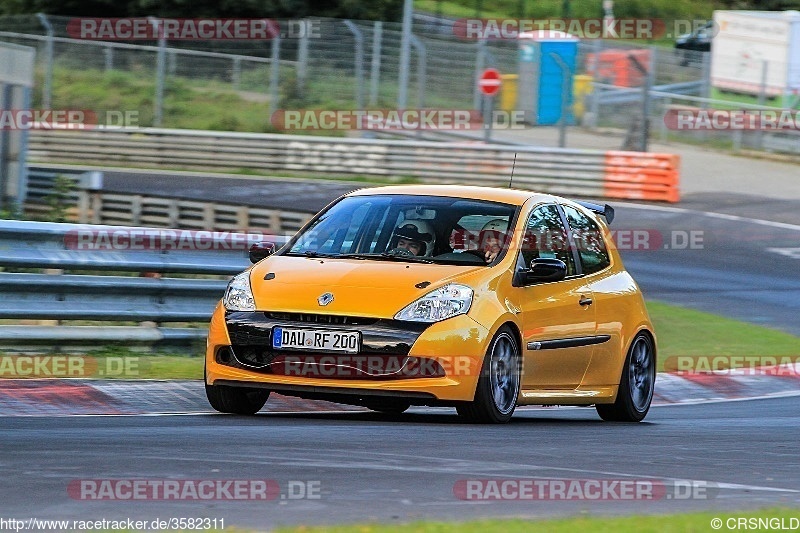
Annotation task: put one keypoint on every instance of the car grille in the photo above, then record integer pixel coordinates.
(327, 366)
(321, 319)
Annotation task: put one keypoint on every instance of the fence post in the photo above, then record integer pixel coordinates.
(108, 52)
(422, 67)
(302, 64)
(237, 72)
(359, 60)
(375, 74)
(565, 79)
(8, 190)
(405, 54)
(161, 66)
(172, 62)
(596, 90)
(47, 90)
(480, 64)
(662, 124)
(762, 99)
(705, 91)
(274, 73)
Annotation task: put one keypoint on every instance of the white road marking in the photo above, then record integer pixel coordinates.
(711, 214)
(792, 253)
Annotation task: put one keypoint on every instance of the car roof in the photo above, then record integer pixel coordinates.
(472, 192)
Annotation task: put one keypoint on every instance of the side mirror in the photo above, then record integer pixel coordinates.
(260, 250)
(542, 270)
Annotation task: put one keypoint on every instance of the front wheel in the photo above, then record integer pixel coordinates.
(636, 384)
(498, 384)
(235, 400)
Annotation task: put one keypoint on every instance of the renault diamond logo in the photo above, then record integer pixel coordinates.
(325, 299)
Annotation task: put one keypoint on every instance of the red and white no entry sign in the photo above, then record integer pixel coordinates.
(490, 82)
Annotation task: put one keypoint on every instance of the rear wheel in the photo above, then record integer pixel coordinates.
(636, 384)
(236, 400)
(498, 384)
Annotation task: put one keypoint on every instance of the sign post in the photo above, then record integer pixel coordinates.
(489, 84)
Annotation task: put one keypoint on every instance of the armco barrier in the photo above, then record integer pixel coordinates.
(85, 294)
(588, 173)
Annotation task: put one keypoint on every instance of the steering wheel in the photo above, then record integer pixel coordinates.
(400, 252)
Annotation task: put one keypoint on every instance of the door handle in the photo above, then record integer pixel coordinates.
(585, 300)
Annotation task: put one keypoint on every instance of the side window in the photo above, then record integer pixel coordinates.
(545, 236)
(589, 240)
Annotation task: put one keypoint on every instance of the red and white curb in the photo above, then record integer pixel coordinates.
(70, 397)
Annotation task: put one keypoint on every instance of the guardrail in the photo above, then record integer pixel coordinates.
(137, 252)
(593, 173)
(614, 95)
(87, 203)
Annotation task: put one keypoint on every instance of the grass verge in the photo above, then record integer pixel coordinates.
(674, 523)
(682, 331)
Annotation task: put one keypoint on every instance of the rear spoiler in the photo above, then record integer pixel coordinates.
(606, 210)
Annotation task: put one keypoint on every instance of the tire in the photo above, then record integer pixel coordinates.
(236, 400)
(498, 385)
(388, 407)
(636, 384)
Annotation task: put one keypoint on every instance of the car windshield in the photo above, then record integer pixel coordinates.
(411, 228)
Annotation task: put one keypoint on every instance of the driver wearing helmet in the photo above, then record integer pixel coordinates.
(491, 238)
(415, 237)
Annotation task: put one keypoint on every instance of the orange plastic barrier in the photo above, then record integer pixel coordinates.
(642, 176)
(614, 66)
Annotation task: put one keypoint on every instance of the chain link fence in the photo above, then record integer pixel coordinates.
(238, 85)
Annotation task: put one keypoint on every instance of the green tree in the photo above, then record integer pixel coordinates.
(355, 9)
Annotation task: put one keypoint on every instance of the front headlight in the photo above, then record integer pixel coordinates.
(238, 295)
(446, 302)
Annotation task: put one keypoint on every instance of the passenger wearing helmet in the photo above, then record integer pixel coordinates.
(491, 238)
(415, 237)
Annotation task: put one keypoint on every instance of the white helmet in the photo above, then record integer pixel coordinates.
(419, 231)
(497, 224)
(495, 230)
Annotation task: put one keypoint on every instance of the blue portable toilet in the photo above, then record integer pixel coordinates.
(541, 77)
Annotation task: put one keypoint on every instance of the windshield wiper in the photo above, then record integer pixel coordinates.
(385, 256)
(312, 254)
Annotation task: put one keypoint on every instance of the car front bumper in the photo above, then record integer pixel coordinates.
(239, 353)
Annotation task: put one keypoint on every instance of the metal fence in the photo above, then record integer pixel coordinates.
(355, 65)
(352, 64)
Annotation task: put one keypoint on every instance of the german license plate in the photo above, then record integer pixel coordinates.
(315, 339)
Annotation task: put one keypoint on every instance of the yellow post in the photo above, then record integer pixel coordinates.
(582, 87)
(508, 92)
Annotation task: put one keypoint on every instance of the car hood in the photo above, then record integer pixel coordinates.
(367, 288)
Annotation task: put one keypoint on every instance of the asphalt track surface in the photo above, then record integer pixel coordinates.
(370, 467)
